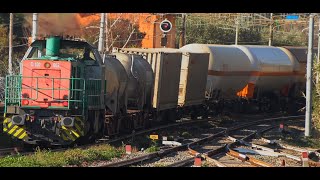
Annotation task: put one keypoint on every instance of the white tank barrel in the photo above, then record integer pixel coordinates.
(228, 70)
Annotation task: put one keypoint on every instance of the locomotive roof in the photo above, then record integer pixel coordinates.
(65, 42)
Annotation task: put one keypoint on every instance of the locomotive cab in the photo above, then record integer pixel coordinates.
(58, 89)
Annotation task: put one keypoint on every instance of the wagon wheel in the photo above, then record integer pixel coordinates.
(111, 125)
(146, 122)
(101, 125)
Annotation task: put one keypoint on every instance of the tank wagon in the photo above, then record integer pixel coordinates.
(246, 78)
(300, 53)
(129, 92)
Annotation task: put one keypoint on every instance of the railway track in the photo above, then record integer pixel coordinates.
(21, 151)
(179, 123)
(278, 153)
(9, 151)
(223, 156)
(290, 153)
(184, 147)
(185, 157)
(212, 151)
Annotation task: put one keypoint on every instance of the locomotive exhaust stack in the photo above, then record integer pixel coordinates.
(53, 46)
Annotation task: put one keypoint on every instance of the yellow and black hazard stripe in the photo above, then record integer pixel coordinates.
(73, 133)
(79, 125)
(14, 130)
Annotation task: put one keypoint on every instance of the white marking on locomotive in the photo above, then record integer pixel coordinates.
(35, 64)
(56, 65)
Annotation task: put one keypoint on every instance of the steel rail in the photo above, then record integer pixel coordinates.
(188, 145)
(207, 155)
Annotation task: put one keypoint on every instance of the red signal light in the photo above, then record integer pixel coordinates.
(165, 26)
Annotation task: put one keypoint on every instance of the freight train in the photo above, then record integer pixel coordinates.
(68, 93)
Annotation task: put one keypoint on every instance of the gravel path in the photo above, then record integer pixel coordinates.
(276, 161)
(230, 161)
(114, 160)
(169, 159)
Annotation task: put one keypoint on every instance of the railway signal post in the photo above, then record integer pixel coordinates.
(165, 27)
(309, 79)
(318, 53)
(34, 26)
(10, 43)
(102, 33)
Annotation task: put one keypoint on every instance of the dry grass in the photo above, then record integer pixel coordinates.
(45, 158)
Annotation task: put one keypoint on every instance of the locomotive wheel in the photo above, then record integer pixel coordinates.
(87, 138)
(113, 125)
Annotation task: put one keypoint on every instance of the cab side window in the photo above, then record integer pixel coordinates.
(89, 58)
(92, 56)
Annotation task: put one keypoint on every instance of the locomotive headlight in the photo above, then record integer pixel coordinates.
(25, 102)
(47, 65)
(67, 121)
(18, 120)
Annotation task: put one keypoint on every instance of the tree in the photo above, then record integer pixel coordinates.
(209, 33)
(3, 51)
(294, 37)
(118, 35)
(19, 41)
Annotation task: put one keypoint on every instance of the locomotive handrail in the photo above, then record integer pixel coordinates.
(14, 88)
(89, 92)
(93, 91)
